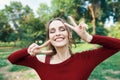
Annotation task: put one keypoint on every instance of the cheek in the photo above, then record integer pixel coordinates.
(66, 34)
(51, 36)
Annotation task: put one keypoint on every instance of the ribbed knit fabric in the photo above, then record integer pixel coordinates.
(77, 67)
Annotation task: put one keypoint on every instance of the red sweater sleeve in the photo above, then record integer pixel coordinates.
(109, 47)
(107, 42)
(21, 57)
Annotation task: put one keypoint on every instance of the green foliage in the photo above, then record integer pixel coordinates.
(3, 19)
(28, 29)
(12, 13)
(100, 29)
(115, 31)
(44, 12)
(3, 23)
(32, 30)
(114, 7)
(7, 34)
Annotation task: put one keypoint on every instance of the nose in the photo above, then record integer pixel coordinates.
(57, 33)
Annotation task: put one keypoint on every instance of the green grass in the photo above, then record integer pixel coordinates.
(3, 59)
(8, 49)
(1, 77)
(14, 68)
(113, 63)
(5, 52)
(113, 76)
(82, 47)
(3, 63)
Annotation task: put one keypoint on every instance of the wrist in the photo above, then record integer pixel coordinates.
(87, 37)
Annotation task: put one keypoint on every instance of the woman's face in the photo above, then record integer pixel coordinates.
(58, 34)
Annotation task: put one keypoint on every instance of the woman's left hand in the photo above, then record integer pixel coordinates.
(80, 29)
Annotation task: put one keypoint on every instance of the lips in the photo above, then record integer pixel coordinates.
(58, 39)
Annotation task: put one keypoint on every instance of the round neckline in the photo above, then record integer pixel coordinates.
(57, 64)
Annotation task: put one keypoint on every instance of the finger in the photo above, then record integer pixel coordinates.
(35, 48)
(30, 47)
(45, 44)
(68, 25)
(72, 21)
(46, 52)
(86, 26)
(82, 24)
(32, 54)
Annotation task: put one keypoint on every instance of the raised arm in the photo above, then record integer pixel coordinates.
(109, 46)
(106, 42)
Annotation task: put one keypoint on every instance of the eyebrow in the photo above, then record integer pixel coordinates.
(59, 27)
(51, 28)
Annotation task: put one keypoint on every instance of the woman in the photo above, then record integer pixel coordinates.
(59, 62)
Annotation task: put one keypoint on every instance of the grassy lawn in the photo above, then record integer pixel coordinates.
(4, 52)
(107, 70)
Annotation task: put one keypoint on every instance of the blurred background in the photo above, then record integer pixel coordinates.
(23, 22)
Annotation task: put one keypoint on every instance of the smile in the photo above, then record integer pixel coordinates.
(59, 39)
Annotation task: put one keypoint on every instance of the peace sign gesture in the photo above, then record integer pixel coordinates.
(80, 29)
(34, 49)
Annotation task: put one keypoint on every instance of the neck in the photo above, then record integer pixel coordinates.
(63, 53)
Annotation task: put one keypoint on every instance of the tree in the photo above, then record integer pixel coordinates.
(16, 12)
(3, 23)
(32, 29)
(115, 31)
(44, 12)
(114, 9)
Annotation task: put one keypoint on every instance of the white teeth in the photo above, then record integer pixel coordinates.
(59, 39)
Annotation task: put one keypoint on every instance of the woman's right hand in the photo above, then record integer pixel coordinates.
(80, 29)
(34, 49)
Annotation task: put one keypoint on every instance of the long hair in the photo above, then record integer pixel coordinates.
(50, 46)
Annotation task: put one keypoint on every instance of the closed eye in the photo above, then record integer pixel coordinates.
(52, 30)
(62, 28)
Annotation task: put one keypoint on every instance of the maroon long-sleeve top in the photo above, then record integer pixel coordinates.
(77, 67)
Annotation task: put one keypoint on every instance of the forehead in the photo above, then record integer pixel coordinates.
(56, 23)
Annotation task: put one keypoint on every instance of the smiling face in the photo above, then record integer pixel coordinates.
(58, 33)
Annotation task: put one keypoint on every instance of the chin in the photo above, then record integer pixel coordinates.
(59, 44)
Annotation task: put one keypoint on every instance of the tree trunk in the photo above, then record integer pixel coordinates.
(93, 19)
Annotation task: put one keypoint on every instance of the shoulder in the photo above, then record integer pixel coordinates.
(41, 58)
